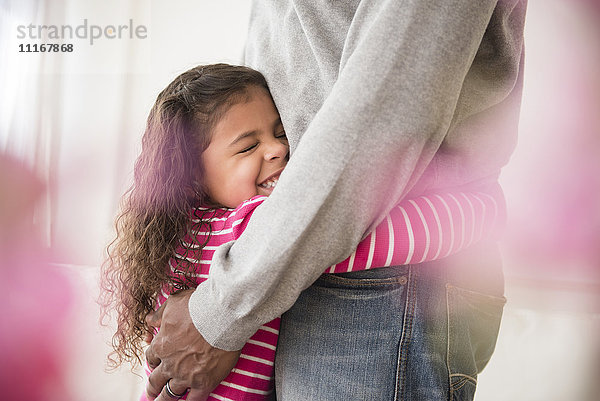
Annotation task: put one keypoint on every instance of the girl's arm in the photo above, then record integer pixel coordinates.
(427, 228)
(417, 230)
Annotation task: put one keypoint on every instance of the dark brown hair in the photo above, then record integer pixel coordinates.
(155, 211)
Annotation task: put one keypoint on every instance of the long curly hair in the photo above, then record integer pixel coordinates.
(155, 212)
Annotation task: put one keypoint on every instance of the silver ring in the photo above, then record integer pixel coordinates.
(170, 392)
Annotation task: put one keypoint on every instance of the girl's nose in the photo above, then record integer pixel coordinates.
(276, 150)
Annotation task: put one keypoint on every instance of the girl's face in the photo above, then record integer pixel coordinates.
(247, 152)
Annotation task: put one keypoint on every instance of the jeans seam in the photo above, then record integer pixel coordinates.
(405, 338)
(401, 280)
(495, 299)
(466, 378)
(459, 384)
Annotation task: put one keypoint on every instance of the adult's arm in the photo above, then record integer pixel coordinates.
(402, 71)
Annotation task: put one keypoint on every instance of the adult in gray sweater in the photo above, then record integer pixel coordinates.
(380, 100)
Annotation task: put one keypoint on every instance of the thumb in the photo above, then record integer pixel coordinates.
(154, 319)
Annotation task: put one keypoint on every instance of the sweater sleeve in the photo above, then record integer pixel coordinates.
(359, 157)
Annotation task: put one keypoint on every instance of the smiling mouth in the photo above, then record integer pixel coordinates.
(270, 183)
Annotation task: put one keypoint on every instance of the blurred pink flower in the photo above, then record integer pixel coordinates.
(32, 336)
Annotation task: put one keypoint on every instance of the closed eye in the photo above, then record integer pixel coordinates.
(248, 149)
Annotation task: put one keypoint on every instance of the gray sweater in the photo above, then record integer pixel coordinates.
(380, 100)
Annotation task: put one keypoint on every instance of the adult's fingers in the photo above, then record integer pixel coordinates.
(156, 381)
(197, 395)
(154, 319)
(179, 390)
(152, 353)
(148, 337)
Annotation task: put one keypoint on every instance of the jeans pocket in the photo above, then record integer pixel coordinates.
(473, 325)
(364, 284)
(340, 339)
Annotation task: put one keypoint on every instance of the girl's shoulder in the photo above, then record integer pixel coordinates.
(239, 218)
(225, 218)
(248, 206)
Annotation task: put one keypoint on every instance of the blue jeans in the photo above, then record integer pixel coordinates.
(410, 333)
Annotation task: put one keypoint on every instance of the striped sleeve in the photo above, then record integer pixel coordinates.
(427, 228)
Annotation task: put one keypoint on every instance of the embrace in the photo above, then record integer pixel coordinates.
(323, 225)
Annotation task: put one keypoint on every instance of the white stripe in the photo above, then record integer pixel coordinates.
(495, 206)
(388, 261)
(462, 219)
(427, 236)
(235, 211)
(219, 397)
(194, 260)
(246, 389)
(371, 251)
(219, 232)
(253, 201)
(209, 220)
(251, 374)
(174, 268)
(198, 275)
(451, 224)
(189, 245)
(237, 222)
(269, 329)
(472, 217)
(216, 232)
(350, 262)
(262, 344)
(411, 236)
(439, 227)
(256, 359)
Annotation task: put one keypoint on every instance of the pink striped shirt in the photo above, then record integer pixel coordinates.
(417, 230)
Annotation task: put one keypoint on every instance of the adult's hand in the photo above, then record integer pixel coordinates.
(181, 356)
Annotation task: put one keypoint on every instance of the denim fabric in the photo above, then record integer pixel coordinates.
(410, 333)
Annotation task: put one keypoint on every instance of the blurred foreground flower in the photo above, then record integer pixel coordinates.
(32, 336)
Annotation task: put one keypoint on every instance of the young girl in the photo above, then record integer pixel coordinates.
(213, 149)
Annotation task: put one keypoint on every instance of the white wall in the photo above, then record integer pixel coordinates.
(90, 105)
